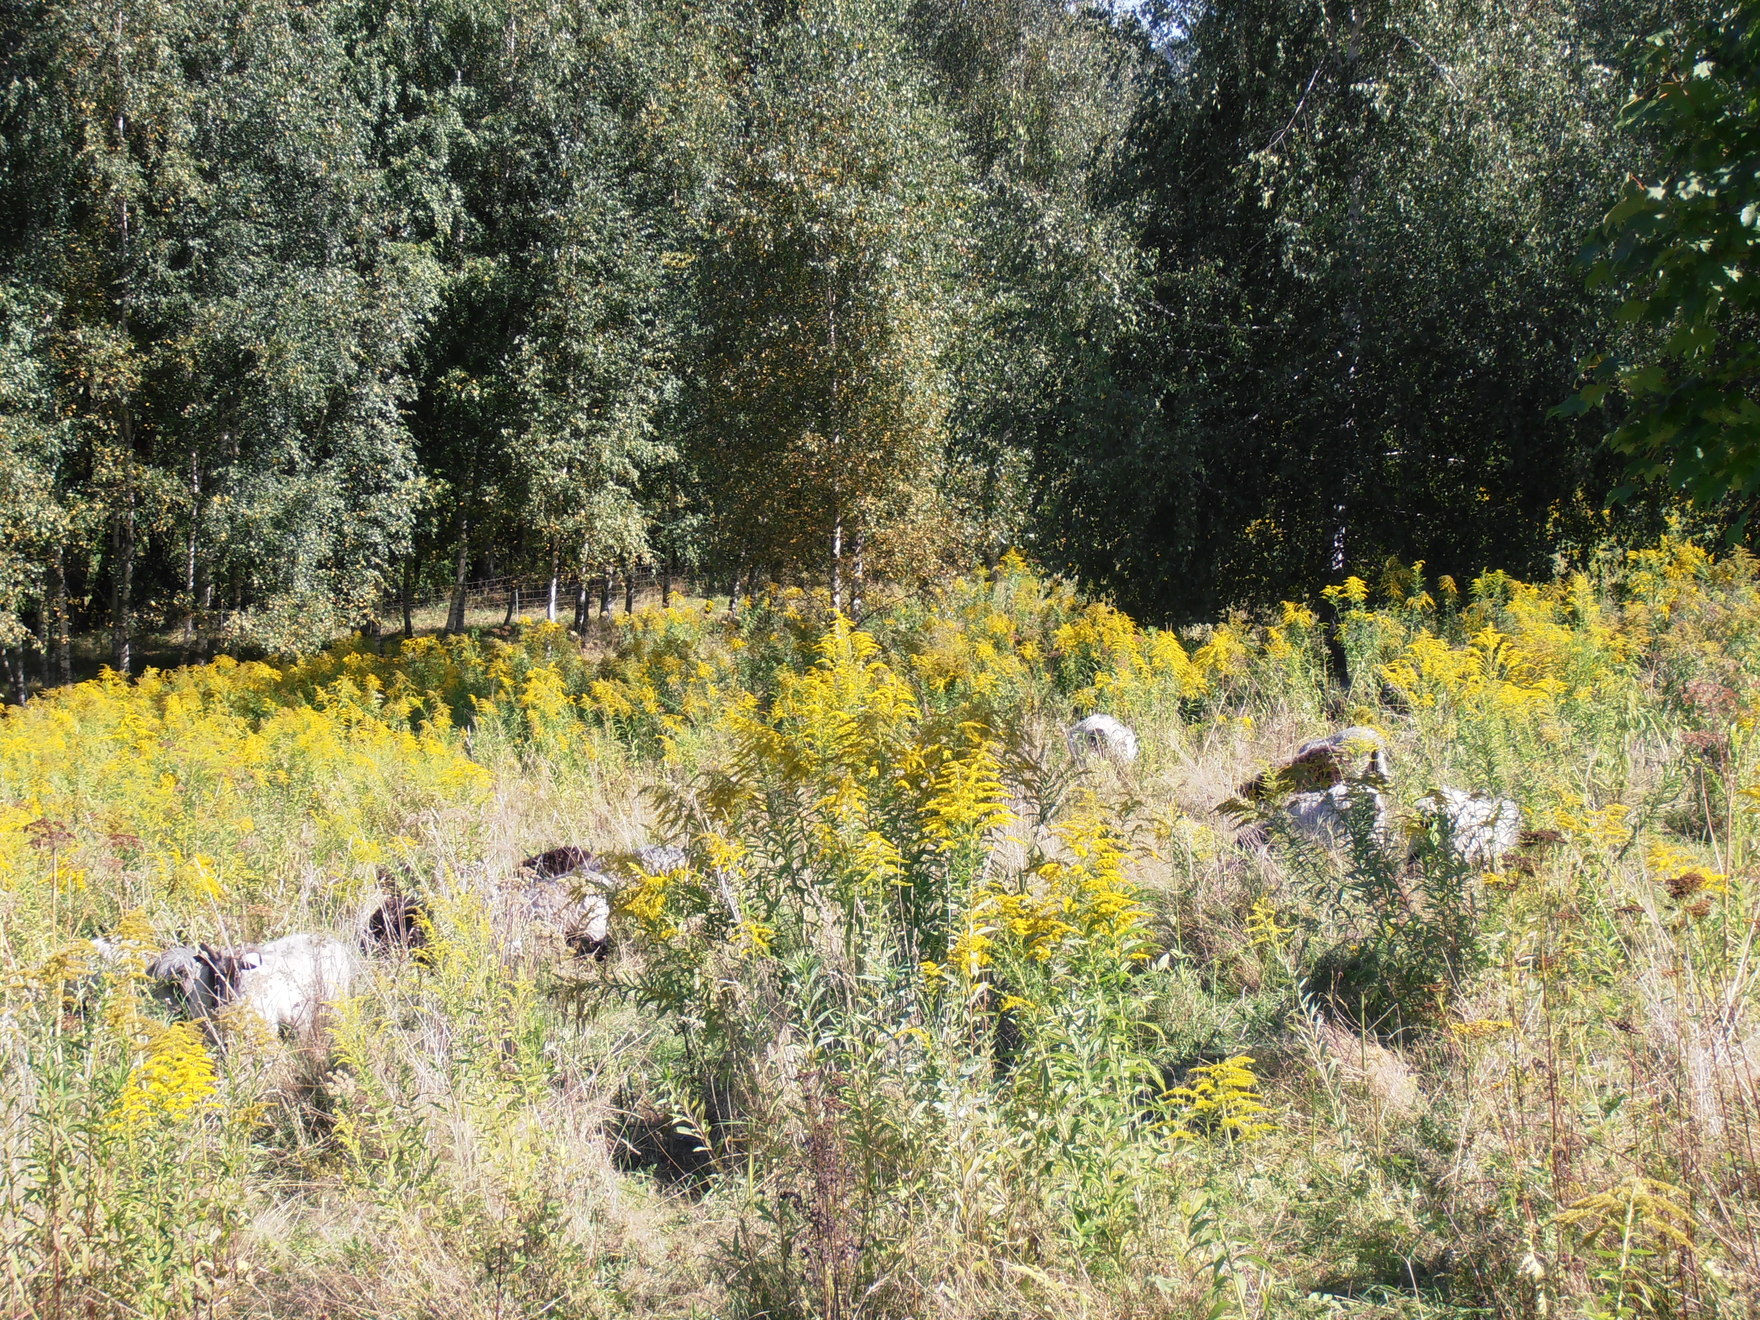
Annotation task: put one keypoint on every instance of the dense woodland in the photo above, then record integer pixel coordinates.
(309, 307)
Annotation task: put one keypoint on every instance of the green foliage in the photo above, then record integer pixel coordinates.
(1360, 224)
(222, 286)
(832, 301)
(1679, 248)
(312, 308)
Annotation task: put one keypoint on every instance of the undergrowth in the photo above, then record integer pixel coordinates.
(932, 1020)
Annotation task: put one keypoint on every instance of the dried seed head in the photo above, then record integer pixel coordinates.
(1685, 884)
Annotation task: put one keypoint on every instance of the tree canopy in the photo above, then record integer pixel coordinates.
(1682, 247)
(306, 308)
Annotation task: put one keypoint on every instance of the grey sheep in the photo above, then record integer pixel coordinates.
(1324, 788)
(1478, 828)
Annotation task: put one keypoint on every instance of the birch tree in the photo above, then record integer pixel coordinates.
(831, 303)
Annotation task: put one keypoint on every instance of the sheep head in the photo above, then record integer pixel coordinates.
(202, 979)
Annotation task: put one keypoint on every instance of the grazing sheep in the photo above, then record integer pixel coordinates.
(105, 958)
(1101, 735)
(108, 952)
(397, 924)
(1328, 759)
(571, 887)
(1477, 828)
(296, 976)
(567, 894)
(199, 980)
(559, 862)
(284, 982)
(1323, 793)
(1327, 815)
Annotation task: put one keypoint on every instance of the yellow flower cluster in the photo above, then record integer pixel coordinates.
(1140, 672)
(173, 1081)
(839, 739)
(1034, 926)
(197, 780)
(967, 798)
(1090, 883)
(675, 668)
(1222, 1099)
(1264, 931)
(1529, 654)
(985, 643)
(1080, 906)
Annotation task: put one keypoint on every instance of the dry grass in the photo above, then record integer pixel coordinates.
(1527, 1092)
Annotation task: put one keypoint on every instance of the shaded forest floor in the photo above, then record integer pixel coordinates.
(165, 645)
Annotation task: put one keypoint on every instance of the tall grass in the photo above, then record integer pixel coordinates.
(932, 1021)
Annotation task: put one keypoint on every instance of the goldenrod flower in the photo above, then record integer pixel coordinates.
(175, 1080)
(1222, 1098)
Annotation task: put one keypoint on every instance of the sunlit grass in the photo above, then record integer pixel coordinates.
(931, 1020)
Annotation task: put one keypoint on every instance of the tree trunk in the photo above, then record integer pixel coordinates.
(123, 544)
(666, 583)
(837, 562)
(604, 593)
(208, 611)
(189, 562)
(455, 614)
(1353, 316)
(60, 626)
(43, 680)
(583, 606)
(835, 428)
(123, 525)
(14, 657)
(858, 576)
(629, 588)
(555, 576)
(512, 606)
(406, 589)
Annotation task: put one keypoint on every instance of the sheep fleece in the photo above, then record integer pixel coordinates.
(294, 977)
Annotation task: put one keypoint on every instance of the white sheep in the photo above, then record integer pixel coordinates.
(296, 976)
(1478, 828)
(1326, 815)
(285, 982)
(576, 912)
(1101, 735)
(569, 895)
(660, 858)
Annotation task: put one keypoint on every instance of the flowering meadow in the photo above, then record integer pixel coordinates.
(935, 1019)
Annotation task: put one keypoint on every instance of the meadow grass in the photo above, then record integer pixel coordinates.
(934, 1021)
